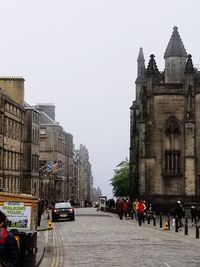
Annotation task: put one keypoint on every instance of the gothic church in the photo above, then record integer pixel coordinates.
(165, 128)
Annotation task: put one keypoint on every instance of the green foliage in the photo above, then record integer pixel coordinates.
(121, 181)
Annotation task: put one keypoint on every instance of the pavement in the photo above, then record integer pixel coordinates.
(45, 244)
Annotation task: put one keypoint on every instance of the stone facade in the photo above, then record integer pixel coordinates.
(85, 174)
(56, 151)
(31, 183)
(165, 128)
(11, 134)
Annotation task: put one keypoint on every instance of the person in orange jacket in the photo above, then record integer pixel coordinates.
(140, 211)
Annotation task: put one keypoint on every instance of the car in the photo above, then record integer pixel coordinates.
(62, 211)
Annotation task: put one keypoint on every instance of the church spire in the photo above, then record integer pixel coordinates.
(140, 67)
(175, 59)
(189, 65)
(152, 67)
(175, 46)
(141, 72)
(140, 55)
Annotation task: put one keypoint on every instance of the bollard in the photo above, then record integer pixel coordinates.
(48, 214)
(154, 220)
(161, 220)
(148, 218)
(168, 221)
(197, 231)
(186, 226)
(176, 224)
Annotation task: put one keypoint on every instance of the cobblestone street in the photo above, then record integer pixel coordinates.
(101, 239)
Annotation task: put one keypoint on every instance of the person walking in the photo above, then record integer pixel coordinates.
(140, 211)
(179, 213)
(135, 203)
(9, 251)
(121, 207)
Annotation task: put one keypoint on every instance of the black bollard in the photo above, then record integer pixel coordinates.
(161, 220)
(154, 220)
(148, 218)
(176, 224)
(197, 231)
(168, 222)
(186, 226)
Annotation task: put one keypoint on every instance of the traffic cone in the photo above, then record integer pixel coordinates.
(50, 225)
(166, 227)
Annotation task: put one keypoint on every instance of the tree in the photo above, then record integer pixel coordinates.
(121, 180)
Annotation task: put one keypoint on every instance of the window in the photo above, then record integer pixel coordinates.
(172, 162)
(42, 131)
(172, 147)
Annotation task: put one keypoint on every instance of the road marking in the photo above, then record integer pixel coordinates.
(53, 262)
(166, 264)
(46, 237)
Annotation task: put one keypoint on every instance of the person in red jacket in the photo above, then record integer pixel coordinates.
(140, 211)
(9, 252)
(121, 207)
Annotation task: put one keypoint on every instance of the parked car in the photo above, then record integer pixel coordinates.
(63, 210)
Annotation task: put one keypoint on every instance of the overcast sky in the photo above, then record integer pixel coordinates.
(81, 55)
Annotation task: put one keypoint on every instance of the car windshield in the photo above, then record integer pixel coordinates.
(62, 205)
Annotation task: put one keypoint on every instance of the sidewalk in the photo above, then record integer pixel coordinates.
(44, 242)
(191, 228)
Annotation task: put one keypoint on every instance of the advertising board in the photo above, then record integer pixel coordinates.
(18, 215)
(21, 211)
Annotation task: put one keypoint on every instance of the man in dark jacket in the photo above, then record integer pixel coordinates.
(179, 212)
(9, 252)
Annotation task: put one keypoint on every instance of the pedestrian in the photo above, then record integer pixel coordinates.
(121, 207)
(129, 208)
(9, 251)
(135, 203)
(179, 212)
(140, 211)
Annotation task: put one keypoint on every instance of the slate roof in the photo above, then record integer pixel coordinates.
(45, 119)
(175, 46)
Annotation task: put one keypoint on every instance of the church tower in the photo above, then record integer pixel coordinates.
(165, 127)
(175, 59)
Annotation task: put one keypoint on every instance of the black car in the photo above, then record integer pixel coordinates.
(63, 210)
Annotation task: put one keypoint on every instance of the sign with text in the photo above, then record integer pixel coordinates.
(18, 215)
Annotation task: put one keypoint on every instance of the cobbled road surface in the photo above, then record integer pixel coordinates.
(97, 239)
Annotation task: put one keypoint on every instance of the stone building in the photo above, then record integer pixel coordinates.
(11, 133)
(85, 174)
(56, 156)
(31, 182)
(165, 128)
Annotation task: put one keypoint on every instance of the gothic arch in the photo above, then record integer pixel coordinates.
(172, 146)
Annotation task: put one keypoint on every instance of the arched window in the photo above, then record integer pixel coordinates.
(172, 146)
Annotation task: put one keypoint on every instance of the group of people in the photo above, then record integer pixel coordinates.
(137, 208)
